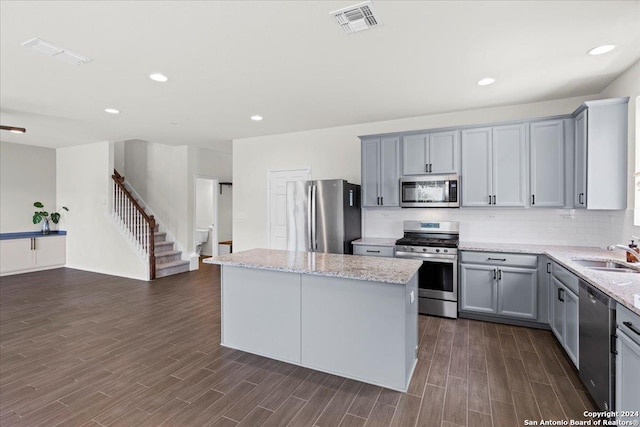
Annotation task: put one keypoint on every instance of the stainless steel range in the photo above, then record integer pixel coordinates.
(436, 244)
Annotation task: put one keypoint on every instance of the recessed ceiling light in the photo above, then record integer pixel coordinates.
(256, 118)
(157, 77)
(486, 81)
(111, 111)
(599, 50)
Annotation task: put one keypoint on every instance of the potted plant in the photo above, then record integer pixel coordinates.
(43, 215)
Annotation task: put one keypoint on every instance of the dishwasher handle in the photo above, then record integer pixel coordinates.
(630, 326)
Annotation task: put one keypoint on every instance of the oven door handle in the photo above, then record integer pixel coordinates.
(449, 259)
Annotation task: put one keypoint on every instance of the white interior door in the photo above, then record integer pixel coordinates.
(278, 204)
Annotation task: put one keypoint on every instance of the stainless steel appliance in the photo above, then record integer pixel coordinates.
(322, 216)
(429, 191)
(596, 343)
(436, 244)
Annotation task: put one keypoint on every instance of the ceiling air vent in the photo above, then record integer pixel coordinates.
(357, 17)
(55, 51)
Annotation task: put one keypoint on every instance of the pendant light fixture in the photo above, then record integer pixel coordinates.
(13, 129)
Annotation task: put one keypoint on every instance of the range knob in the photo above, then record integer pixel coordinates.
(412, 249)
(446, 250)
(424, 249)
(437, 250)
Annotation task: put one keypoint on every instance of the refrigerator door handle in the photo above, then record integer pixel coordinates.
(314, 245)
(309, 232)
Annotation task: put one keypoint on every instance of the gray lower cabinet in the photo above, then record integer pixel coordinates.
(494, 166)
(565, 310)
(504, 285)
(374, 250)
(434, 152)
(546, 176)
(627, 364)
(381, 171)
(601, 147)
(478, 288)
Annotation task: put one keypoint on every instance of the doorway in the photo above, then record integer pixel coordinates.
(277, 222)
(206, 217)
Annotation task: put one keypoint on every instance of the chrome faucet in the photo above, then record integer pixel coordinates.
(624, 248)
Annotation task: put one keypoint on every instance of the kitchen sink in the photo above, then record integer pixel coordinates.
(604, 265)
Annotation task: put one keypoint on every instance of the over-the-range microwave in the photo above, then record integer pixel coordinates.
(429, 191)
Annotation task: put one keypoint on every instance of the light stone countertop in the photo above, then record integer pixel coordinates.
(373, 269)
(623, 287)
(376, 241)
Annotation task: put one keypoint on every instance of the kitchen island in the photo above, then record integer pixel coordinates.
(347, 315)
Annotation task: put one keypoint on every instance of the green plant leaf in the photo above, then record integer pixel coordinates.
(38, 205)
(44, 213)
(65, 208)
(37, 218)
(55, 217)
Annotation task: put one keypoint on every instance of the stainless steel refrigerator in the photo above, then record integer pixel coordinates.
(322, 216)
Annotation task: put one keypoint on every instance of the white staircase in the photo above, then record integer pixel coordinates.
(137, 222)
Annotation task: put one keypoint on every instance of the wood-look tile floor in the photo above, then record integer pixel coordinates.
(78, 348)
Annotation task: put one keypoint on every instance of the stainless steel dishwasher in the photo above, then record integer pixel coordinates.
(597, 345)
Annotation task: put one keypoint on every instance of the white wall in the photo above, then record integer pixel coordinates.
(94, 242)
(158, 173)
(335, 153)
(164, 176)
(27, 175)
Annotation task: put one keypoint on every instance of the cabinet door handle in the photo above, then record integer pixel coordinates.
(495, 274)
(373, 252)
(382, 201)
(560, 291)
(426, 167)
(32, 243)
(489, 199)
(430, 167)
(533, 199)
(630, 326)
(378, 201)
(496, 259)
(494, 199)
(548, 267)
(580, 197)
(499, 274)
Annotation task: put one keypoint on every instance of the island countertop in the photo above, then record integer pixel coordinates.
(373, 269)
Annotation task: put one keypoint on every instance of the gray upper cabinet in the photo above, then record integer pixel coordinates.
(435, 152)
(547, 163)
(494, 166)
(415, 152)
(370, 172)
(476, 167)
(509, 165)
(601, 145)
(580, 160)
(380, 171)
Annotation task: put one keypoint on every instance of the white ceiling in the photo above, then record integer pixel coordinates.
(290, 62)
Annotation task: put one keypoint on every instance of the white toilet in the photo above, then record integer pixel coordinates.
(202, 237)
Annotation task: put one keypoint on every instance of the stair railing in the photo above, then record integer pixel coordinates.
(139, 226)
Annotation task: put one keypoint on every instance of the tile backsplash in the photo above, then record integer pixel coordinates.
(575, 227)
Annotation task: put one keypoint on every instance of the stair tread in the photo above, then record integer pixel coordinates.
(171, 264)
(167, 253)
